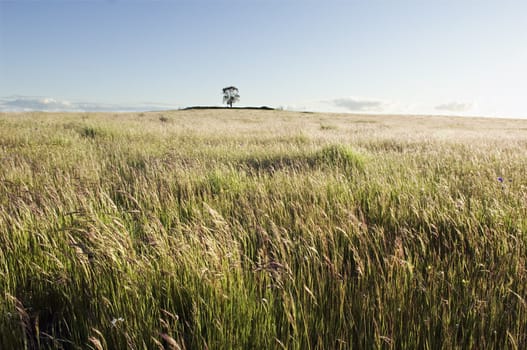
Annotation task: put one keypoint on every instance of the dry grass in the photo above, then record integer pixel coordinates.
(261, 229)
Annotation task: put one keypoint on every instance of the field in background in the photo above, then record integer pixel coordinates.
(262, 229)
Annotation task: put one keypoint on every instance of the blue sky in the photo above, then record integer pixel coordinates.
(378, 56)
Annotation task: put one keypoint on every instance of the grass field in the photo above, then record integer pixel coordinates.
(262, 229)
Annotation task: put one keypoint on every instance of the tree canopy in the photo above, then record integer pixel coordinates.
(230, 95)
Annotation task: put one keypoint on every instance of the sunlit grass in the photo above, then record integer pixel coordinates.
(252, 229)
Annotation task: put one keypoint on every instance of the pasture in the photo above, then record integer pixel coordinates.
(218, 229)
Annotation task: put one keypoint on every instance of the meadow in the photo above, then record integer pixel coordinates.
(218, 229)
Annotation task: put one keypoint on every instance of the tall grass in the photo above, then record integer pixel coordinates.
(237, 230)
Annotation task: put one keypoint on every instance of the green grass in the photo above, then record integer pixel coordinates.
(262, 229)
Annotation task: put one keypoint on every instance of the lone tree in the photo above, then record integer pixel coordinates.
(230, 95)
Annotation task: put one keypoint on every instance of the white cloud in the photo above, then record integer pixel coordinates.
(358, 104)
(32, 103)
(454, 107)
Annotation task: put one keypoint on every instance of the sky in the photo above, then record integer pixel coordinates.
(449, 57)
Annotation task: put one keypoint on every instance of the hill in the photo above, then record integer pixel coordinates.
(265, 108)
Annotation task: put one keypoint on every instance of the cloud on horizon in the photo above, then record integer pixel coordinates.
(358, 104)
(454, 107)
(46, 104)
